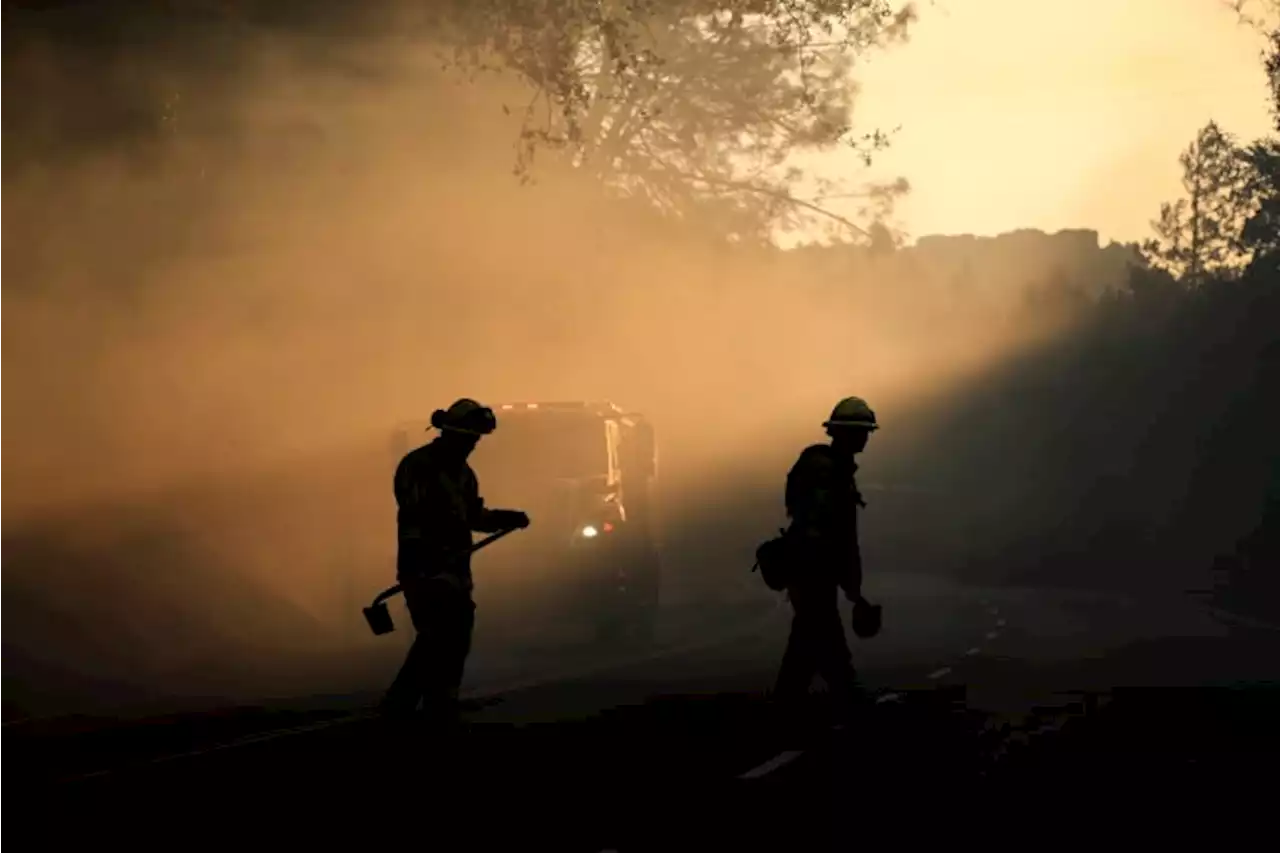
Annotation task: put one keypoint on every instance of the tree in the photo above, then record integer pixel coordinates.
(1198, 236)
(881, 240)
(1261, 233)
(692, 105)
(1261, 15)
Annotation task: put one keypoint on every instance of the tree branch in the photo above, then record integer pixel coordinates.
(768, 192)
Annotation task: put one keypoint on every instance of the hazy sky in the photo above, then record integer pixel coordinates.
(1053, 114)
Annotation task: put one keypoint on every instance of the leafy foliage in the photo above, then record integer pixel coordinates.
(1199, 236)
(694, 105)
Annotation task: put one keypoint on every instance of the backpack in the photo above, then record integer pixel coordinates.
(774, 559)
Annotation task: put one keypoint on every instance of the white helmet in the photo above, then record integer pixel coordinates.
(852, 412)
(465, 415)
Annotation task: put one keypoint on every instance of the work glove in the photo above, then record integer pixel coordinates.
(511, 519)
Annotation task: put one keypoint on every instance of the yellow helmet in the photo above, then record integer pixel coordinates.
(465, 415)
(852, 412)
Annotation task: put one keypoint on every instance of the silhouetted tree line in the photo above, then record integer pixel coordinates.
(1142, 448)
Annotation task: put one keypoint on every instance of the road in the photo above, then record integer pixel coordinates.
(978, 690)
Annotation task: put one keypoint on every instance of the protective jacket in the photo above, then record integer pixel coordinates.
(439, 505)
(822, 500)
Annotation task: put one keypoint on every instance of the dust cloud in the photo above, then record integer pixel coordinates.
(208, 338)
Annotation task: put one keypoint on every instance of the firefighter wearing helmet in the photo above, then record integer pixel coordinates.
(439, 505)
(822, 501)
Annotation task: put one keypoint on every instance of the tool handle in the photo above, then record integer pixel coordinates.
(393, 591)
(389, 592)
(491, 538)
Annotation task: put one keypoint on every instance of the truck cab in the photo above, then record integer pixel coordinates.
(585, 472)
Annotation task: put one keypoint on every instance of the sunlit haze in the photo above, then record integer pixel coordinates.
(1017, 114)
(237, 262)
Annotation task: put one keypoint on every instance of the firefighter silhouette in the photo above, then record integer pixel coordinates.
(439, 505)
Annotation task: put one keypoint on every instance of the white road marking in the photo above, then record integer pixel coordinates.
(470, 695)
(232, 744)
(780, 760)
(1239, 618)
(784, 758)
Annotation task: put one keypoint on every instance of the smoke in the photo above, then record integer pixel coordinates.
(212, 334)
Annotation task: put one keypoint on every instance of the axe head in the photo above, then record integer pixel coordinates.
(379, 619)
